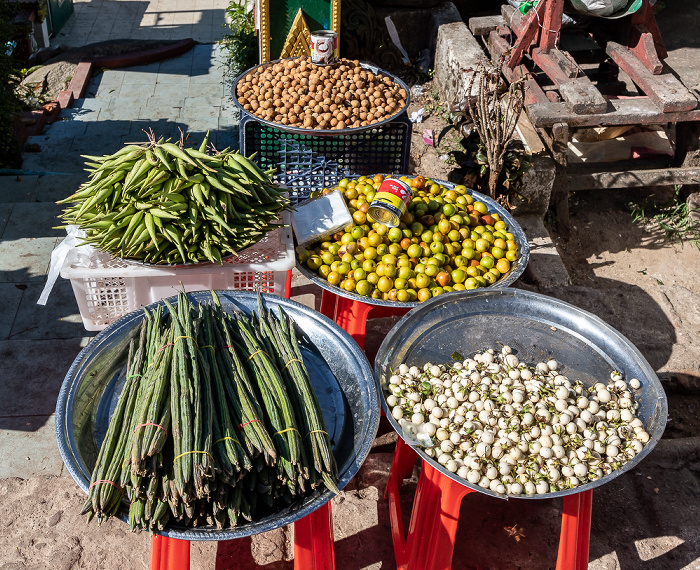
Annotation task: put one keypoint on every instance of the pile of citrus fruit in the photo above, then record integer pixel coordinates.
(447, 241)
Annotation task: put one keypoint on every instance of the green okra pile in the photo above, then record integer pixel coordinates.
(217, 423)
(163, 203)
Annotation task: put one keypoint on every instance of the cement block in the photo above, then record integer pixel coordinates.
(140, 77)
(545, 269)
(456, 50)
(36, 162)
(29, 447)
(534, 196)
(445, 13)
(65, 129)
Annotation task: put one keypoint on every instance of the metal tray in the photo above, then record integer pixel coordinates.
(340, 374)
(516, 270)
(536, 327)
(322, 132)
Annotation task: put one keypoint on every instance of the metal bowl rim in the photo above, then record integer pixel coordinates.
(644, 365)
(322, 132)
(310, 504)
(511, 278)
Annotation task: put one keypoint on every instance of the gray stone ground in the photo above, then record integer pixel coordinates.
(647, 519)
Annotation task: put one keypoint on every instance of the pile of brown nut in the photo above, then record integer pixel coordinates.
(299, 93)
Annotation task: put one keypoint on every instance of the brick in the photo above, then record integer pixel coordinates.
(65, 99)
(80, 80)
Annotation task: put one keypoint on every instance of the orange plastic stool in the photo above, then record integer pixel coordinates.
(435, 515)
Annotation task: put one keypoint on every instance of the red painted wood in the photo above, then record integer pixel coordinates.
(551, 26)
(531, 30)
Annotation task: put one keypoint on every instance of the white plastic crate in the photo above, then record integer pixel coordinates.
(111, 287)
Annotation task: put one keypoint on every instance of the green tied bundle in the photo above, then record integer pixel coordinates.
(162, 203)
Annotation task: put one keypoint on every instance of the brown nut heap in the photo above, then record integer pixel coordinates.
(301, 94)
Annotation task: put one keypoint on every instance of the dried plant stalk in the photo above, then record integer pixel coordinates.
(494, 115)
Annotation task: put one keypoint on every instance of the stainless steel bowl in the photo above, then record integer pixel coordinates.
(323, 132)
(536, 327)
(516, 270)
(340, 374)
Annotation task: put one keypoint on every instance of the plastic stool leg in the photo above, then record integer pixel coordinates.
(434, 520)
(575, 532)
(352, 317)
(584, 529)
(288, 285)
(402, 463)
(313, 540)
(328, 303)
(169, 553)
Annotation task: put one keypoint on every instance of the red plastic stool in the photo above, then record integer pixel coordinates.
(313, 535)
(352, 315)
(313, 545)
(435, 515)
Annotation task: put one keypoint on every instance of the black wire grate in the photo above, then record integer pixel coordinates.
(307, 163)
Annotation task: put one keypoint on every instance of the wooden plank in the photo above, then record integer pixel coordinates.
(533, 92)
(529, 136)
(483, 25)
(637, 111)
(665, 90)
(560, 143)
(552, 24)
(643, 21)
(530, 30)
(631, 178)
(579, 94)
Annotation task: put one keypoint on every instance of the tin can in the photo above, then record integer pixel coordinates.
(324, 47)
(390, 202)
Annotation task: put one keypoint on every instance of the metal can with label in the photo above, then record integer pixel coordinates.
(390, 202)
(324, 47)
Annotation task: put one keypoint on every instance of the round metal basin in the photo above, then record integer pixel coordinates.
(537, 327)
(515, 272)
(322, 132)
(340, 374)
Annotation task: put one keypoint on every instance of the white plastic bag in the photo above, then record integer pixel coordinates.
(72, 245)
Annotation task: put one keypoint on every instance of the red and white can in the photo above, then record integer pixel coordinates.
(324, 47)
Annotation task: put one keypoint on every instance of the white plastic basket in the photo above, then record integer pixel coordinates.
(111, 287)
